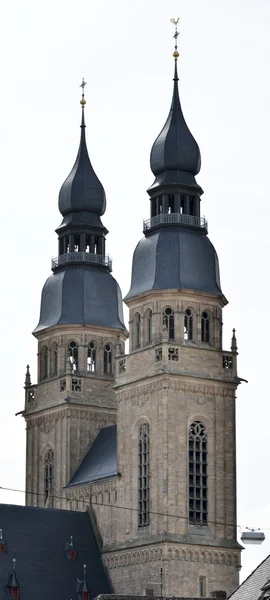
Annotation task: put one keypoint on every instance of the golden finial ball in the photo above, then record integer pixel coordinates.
(176, 54)
(83, 101)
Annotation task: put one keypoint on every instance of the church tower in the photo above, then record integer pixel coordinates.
(80, 330)
(176, 532)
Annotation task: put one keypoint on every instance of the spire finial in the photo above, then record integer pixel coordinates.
(176, 34)
(83, 84)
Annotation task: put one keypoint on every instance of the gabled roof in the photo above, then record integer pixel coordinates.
(100, 461)
(36, 538)
(250, 589)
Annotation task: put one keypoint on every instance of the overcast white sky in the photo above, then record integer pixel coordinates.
(123, 49)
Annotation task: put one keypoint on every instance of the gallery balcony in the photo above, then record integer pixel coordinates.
(175, 219)
(82, 257)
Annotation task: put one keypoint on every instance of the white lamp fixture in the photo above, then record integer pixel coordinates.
(252, 537)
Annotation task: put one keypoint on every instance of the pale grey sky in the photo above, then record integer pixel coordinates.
(123, 50)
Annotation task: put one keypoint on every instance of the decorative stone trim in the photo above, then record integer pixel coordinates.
(170, 553)
(45, 422)
(209, 391)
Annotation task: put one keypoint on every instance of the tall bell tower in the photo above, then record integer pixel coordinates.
(80, 330)
(176, 394)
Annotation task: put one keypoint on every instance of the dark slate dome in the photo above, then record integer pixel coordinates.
(81, 296)
(82, 191)
(175, 258)
(175, 149)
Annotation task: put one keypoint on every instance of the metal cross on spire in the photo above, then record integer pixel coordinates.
(83, 84)
(176, 34)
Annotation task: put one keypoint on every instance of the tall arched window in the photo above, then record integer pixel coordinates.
(188, 325)
(72, 351)
(91, 357)
(205, 327)
(49, 475)
(44, 363)
(137, 330)
(144, 475)
(107, 359)
(148, 326)
(54, 359)
(198, 508)
(168, 322)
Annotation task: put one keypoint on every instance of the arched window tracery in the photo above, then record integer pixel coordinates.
(168, 321)
(205, 327)
(92, 357)
(73, 354)
(198, 485)
(188, 325)
(107, 359)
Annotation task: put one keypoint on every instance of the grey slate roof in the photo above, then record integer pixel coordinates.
(100, 461)
(250, 589)
(36, 538)
(85, 295)
(175, 150)
(82, 190)
(175, 258)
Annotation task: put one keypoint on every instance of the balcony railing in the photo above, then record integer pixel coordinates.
(176, 219)
(88, 257)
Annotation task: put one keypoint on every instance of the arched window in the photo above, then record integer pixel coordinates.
(148, 326)
(188, 325)
(144, 475)
(49, 475)
(198, 508)
(205, 327)
(91, 357)
(107, 359)
(168, 322)
(72, 352)
(44, 363)
(54, 359)
(137, 330)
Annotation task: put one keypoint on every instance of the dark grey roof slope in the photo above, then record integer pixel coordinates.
(175, 258)
(82, 190)
(250, 589)
(101, 459)
(36, 538)
(86, 295)
(175, 153)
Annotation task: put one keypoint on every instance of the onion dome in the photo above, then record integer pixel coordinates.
(82, 191)
(175, 155)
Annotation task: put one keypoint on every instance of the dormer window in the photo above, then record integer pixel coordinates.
(14, 592)
(3, 546)
(71, 551)
(13, 584)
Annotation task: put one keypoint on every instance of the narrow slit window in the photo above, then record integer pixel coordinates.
(54, 360)
(198, 489)
(49, 475)
(188, 325)
(148, 318)
(143, 475)
(205, 327)
(137, 330)
(107, 359)
(44, 363)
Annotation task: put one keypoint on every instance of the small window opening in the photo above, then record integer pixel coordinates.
(171, 203)
(87, 243)
(188, 325)
(54, 360)
(107, 359)
(182, 204)
(144, 471)
(91, 358)
(202, 587)
(205, 327)
(49, 475)
(191, 205)
(44, 363)
(73, 354)
(76, 243)
(137, 330)
(168, 322)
